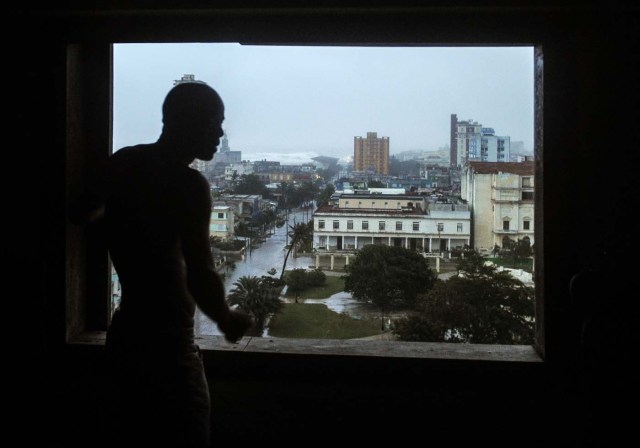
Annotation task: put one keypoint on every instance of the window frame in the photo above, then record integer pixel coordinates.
(530, 196)
(85, 328)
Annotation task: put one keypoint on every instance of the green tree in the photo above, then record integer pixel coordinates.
(388, 277)
(328, 173)
(496, 250)
(286, 191)
(299, 235)
(296, 280)
(242, 229)
(307, 191)
(257, 298)
(250, 184)
(325, 195)
(316, 277)
(267, 219)
(521, 250)
(480, 305)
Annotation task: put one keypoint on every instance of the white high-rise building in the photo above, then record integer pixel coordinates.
(475, 143)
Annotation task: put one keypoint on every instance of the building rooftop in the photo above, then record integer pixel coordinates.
(416, 197)
(366, 211)
(241, 196)
(521, 168)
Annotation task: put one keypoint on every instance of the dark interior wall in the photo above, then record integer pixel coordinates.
(589, 167)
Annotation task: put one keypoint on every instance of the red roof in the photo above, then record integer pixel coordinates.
(521, 168)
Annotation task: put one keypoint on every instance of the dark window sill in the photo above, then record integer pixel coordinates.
(353, 348)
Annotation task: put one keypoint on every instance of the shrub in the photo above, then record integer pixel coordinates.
(316, 278)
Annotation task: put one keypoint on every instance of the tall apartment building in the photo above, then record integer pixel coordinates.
(371, 154)
(501, 196)
(473, 142)
(453, 142)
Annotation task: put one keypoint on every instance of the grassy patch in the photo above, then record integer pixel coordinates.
(316, 321)
(331, 287)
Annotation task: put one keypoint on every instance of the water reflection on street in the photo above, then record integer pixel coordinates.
(342, 302)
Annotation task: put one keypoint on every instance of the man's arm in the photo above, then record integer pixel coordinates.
(205, 284)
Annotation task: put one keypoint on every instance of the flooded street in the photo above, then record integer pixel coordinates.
(270, 254)
(342, 302)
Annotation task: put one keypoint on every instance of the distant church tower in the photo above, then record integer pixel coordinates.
(224, 143)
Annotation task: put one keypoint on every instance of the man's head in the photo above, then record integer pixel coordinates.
(192, 114)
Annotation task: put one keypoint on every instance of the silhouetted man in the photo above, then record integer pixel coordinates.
(156, 212)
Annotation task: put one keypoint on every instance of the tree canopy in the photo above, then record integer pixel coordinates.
(250, 184)
(388, 276)
(325, 195)
(480, 305)
(257, 297)
(299, 234)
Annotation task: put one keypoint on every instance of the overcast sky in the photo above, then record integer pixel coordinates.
(293, 103)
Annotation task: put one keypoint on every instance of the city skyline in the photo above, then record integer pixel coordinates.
(294, 103)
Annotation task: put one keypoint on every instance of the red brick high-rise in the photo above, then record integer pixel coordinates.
(371, 153)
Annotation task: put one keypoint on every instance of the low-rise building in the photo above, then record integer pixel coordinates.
(246, 207)
(237, 169)
(405, 220)
(222, 222)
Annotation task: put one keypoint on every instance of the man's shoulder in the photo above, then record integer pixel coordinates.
(128, 152)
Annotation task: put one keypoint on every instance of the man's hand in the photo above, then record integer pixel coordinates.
(235, 325)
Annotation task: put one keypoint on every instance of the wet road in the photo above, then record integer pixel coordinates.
(270, 254)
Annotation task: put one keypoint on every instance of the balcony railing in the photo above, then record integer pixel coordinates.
(506, 231)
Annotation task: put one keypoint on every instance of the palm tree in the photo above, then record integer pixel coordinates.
(256, 298)
(299, 234)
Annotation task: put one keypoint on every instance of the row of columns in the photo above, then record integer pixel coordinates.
(333, 259)
(406, 242)
(346, 261)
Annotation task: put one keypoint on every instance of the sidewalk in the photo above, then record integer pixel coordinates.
(388, 336)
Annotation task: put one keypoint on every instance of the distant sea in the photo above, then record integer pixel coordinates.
(295, 158)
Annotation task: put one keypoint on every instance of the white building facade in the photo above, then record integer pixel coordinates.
(407, 221)
(237, 169)
(501, 197)
(222, 222)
